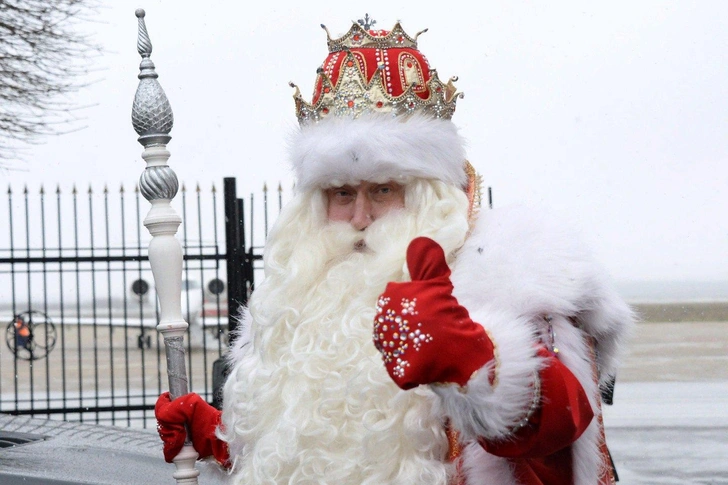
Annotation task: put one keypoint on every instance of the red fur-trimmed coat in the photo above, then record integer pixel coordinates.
(533, 286)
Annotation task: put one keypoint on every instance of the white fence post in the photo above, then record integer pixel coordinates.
(152, 119)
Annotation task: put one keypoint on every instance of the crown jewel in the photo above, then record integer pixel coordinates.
(376, 71)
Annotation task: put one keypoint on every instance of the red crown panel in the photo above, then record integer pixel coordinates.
(402, 67)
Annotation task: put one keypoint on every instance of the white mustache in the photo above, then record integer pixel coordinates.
(345, 240)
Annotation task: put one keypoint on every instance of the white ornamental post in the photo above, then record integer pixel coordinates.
(152, 119)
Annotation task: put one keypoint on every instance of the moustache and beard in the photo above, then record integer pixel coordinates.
(308, 400)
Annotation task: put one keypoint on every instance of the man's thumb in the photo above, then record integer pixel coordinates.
(426, 259)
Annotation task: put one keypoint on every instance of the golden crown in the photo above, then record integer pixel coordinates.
(376, 71)
(358, 37)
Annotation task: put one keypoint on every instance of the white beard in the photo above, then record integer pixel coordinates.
(309, 400)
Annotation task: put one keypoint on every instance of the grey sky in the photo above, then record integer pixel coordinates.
(614, 114)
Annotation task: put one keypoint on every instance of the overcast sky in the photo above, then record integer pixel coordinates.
(612, 113)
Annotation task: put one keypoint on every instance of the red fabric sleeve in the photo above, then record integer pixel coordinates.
(563, 415)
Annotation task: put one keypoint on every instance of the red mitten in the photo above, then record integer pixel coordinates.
(424, 335)
(201, 420)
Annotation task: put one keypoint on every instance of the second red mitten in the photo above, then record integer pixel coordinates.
(201, 420)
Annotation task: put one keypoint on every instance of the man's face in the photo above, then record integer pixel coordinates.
(362, 204)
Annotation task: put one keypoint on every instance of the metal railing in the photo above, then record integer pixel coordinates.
(78, 308)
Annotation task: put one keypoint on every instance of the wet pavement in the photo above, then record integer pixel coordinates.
(51, 452)
(669, 422)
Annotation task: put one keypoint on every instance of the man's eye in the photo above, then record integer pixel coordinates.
(385, 192)
(339, 194)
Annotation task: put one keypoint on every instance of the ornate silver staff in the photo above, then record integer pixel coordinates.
(152, 119)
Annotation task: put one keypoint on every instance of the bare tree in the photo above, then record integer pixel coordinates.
(43, 58)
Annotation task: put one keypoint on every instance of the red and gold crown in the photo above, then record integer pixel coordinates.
(378, 113)
(376, 71)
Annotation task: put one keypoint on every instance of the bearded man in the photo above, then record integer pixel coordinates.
(400, 335)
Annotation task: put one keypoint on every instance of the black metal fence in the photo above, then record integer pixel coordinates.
(78, 308)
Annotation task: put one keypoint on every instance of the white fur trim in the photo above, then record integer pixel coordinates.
(478, 466)
(376, 148)
(531, 264)
(493, 411)
(574, 353)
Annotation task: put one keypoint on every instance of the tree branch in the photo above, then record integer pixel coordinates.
(43, 58)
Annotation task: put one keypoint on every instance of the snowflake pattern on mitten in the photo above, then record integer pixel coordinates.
(394, 335)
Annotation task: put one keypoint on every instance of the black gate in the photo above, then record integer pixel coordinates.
(78, 307)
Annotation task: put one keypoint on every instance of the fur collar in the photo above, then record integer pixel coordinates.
(530, 264)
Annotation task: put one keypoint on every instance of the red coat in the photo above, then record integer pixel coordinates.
(532, 286)
(540, 453)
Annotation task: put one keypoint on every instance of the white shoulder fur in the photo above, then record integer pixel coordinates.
(528, 263)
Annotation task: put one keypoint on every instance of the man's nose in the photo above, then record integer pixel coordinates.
(362, 216)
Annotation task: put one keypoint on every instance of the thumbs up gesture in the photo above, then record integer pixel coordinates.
(424, 335)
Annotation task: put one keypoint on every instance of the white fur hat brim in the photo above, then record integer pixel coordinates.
(375, 148)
